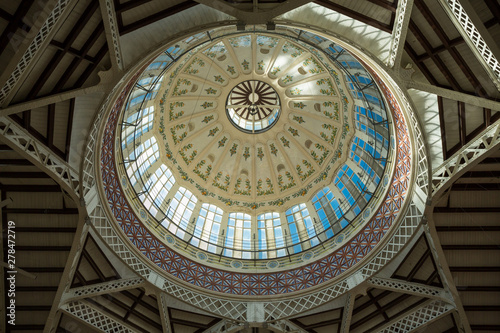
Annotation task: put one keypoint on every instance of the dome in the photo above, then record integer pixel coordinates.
(248, 144)
(255, 151)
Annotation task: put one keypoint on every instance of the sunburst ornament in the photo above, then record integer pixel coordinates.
(253, 106)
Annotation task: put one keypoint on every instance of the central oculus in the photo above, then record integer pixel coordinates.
(253, 106)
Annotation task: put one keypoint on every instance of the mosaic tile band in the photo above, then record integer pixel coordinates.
(283, 282)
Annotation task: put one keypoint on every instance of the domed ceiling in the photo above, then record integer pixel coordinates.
(255, 146)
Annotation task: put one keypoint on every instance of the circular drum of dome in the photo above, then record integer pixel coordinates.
(196, 188)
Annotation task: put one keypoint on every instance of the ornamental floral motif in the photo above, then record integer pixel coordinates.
(287, 79)
(183, 152)
(228, 202)
(275, 70)
(246, 154)
(325, 152)
(260, 65)
(175, 115)
(211, 91)
(196, 61)
(222, 142)
(213, 131)
(295, 91)
(285, 142)
(304, 174)
(224, 185)
(299, 119)
(242, 191)
(176, 91)
(218, 78)
(203, 174)
(296, 51)
(233, 149)
(274, 150)
(330, 139)
(330, 91)
(161, 129)
(246, 65)
(178, 138)
(268, 190)
(260, 153)
(299, 105)
(231, 70)
(293, 131)
(317, 67)
(207, 119)
(281, 182)
(207, 105)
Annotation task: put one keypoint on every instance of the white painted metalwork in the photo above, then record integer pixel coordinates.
(419, 317)
(165, 318)
(112, 33)
(222, 326)
(89, 314)
(103, 288)
(347, 313)
(32, 50)
(399, 31)
(472, 152)
(411, 288)
(61, 171)
(472, 36)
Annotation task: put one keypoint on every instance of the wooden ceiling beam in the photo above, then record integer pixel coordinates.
(52, 248)
(16, 22)
(15, 162)
(91, 67)
(69, 127)
(370, 302)
(468, 247)
(20, 174)
(74, 52)
(43, 269)
(140, 301)
(438, 30)
(77, 61)
(123, 7)
(456, 228)
(494, 7)
(475, 269)
(479, 288)
(482, 308)
(462, 129)
(157, 16)
(476, 187)
(467, 210)
(437, 60)
(36, 288)
(454, 42)
(46, 229)
(385, 4)
(30, 188)
(64, 211)
(355, 15)
(71, 37)
(114, 314)
(442, 127)
(93, 264)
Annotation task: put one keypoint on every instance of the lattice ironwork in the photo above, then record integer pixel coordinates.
(105, 287)
(114, 34)
(407, 287)
(456, 165)
(471, 35)
(96, 318)
(419, 317)
(347, 313)
(63, 173)
(165, 318)
(35, 45)
(400, 28)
